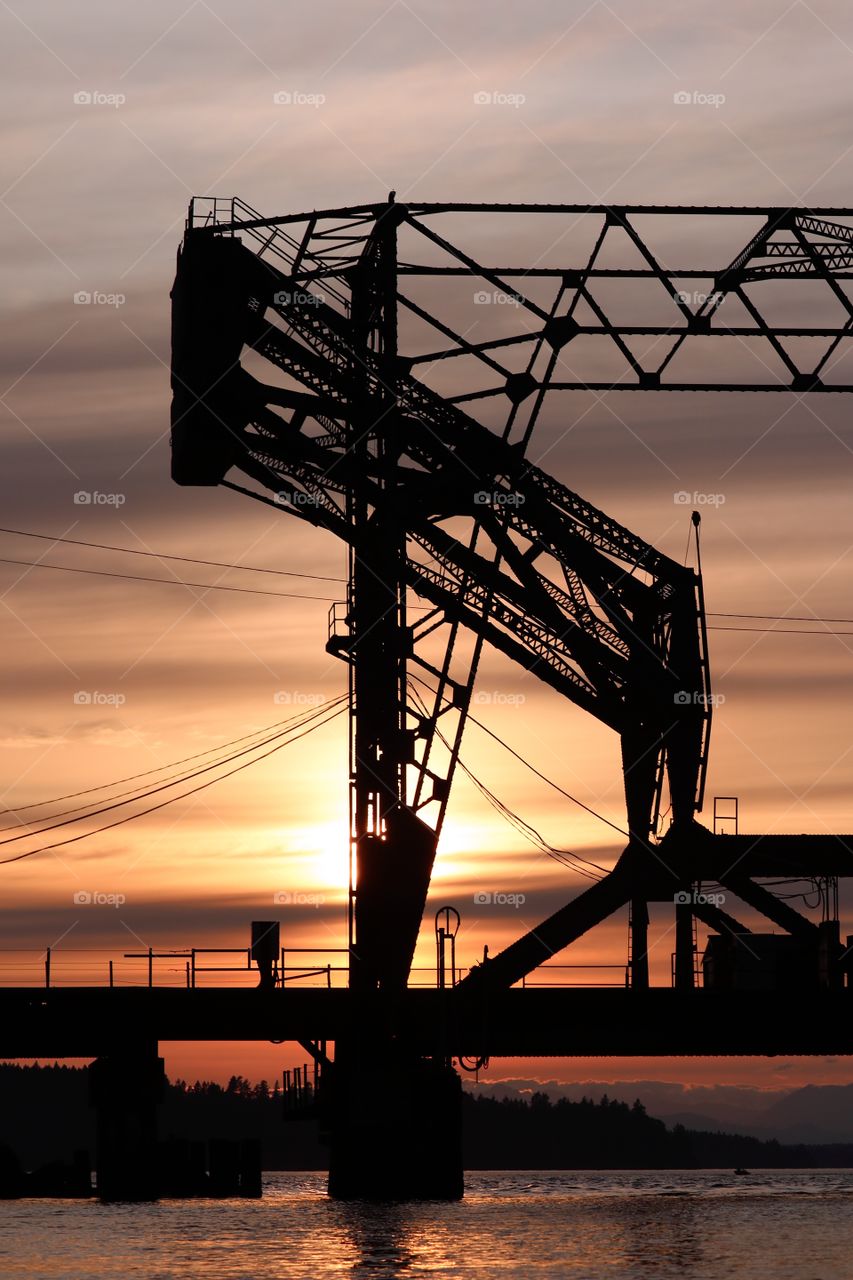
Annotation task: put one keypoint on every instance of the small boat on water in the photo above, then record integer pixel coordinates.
(742, 1173)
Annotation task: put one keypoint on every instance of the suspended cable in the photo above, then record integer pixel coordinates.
(263, 736)
(525, 829)
(19, 857)
(531, 767)
(165, 582)
(775, 617)
(783, 631)
(163, 555)
(520, 824)
(163, 786)
(131, 777)
(544, 777)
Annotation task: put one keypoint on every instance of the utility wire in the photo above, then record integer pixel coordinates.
(167, 582)
(544, 777)
(294, 721)
(162, 555)
(164, 803)
(773, 617)
(131, 777)
(317, 577)
(533, 768)
(520, 824)
(525, 829)
(163, 786)
(784, 631)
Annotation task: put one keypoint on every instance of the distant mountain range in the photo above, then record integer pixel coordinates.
(812, 1114)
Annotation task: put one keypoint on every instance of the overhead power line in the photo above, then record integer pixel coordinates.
(531, 767)
(784, 631)
(19, 857)
(262, 737)
(166, 582)
(584, 866)
(776, 617)
(164, 555)
(161, 786)
(545, 778)
(170, 764)
(573, 861)
(317, 577)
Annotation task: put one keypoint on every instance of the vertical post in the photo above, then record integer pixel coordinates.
(111, 973)
(684, 949)
(639, 944)
(150, 967)
(47, 967)
(377, 612)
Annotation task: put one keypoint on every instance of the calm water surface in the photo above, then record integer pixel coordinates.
(705, 1225)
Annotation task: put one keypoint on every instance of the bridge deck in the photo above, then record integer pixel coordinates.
(85, 1022)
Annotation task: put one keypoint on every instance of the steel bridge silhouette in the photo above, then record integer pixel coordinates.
(323, 365)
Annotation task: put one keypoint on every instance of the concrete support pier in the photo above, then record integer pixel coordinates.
(395, 1127)
(125, 1089)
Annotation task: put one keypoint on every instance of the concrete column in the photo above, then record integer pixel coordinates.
(125, 1089)
(395, 1128)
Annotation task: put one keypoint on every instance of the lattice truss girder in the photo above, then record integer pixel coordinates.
(629, 312)
(495, 545)
(496, 550)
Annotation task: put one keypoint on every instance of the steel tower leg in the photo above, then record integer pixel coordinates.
(394, 1121)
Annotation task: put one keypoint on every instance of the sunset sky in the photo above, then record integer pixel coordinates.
(181, 102)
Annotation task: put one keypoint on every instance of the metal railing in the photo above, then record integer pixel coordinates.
(192, 967)
(265, 241)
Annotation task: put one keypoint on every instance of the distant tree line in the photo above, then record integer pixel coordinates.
(44, 1115)
(607, 1134)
